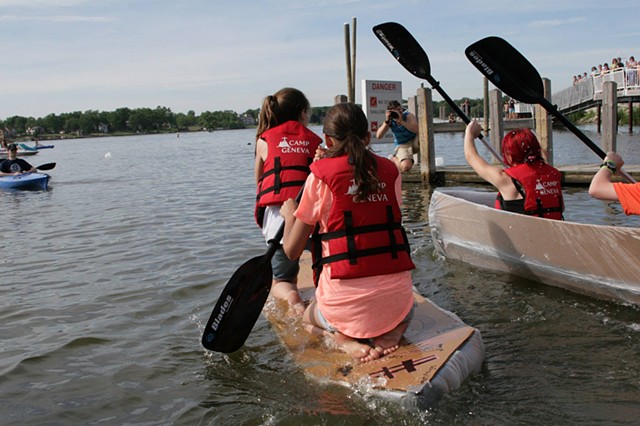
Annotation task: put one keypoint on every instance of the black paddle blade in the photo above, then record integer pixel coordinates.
(404, 48)
(47, 166)
(507, 69)
(239, 306)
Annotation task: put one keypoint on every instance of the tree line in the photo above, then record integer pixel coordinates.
(157, 120)
(131, 121)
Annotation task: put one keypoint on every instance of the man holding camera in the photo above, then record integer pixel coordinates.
(404, 126)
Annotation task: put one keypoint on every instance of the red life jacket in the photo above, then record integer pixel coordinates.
(364, 238)
(541, 187)
(291, 148)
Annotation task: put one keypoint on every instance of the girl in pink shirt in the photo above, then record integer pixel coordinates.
(364, 294)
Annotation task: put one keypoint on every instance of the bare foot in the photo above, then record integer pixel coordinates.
(316, 331)
(389, 342)
(295, 303)
(360, 351)
(288, 291)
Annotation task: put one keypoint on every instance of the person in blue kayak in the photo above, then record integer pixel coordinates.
(13, 165)
(404, 126)
(285, 148)
(361, 256)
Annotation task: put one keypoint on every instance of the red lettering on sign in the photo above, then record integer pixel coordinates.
(383, 86)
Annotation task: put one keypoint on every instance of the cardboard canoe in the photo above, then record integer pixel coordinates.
(437, 353)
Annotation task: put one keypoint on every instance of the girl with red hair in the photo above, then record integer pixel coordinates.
(527, 185)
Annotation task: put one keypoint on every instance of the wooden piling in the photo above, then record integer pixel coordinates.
(544, 130)
(442, 112)
(338, 99)
(496, 120)
(412, 107)
(609, 115)
(352, 94)
(347, 49)
(424, 101)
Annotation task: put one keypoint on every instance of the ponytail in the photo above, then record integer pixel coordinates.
(348, 127)
(286, 104)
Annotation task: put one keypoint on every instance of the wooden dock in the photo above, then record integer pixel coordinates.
(460, 126)
(573, 175)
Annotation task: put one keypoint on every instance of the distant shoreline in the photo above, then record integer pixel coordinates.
(57, 137)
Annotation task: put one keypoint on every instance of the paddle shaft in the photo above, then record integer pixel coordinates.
(569, 125)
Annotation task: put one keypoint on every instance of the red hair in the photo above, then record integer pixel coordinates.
(521, 146)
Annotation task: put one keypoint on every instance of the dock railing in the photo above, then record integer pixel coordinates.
(588, 92)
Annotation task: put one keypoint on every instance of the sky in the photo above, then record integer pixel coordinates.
(206, 55)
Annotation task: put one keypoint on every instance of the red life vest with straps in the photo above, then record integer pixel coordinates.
(364, 238)
(541, 187)
(291, 148)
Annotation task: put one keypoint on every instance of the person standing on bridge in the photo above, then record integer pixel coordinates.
(528, 185)
(632, 72)
(602, 188)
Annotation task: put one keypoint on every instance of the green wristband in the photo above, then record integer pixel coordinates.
(611, 165)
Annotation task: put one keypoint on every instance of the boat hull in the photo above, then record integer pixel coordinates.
(26, 147)
(19, 153)
(26, 181)
(594, 260)
(437, 354)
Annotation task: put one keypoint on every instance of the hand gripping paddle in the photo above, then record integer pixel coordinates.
(241, 301)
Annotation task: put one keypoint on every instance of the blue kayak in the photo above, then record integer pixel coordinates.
(32, 181)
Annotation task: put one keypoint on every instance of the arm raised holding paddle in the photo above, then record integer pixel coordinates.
(602, 188)
(493, 174)
(528, 185)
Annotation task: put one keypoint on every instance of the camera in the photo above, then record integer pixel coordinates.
(393, 115)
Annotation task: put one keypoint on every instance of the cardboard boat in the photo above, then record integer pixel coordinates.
(436, 355)
(594, 260)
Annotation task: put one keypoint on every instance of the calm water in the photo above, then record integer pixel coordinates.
(109, 277)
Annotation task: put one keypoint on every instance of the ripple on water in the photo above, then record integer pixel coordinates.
(112, 274)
